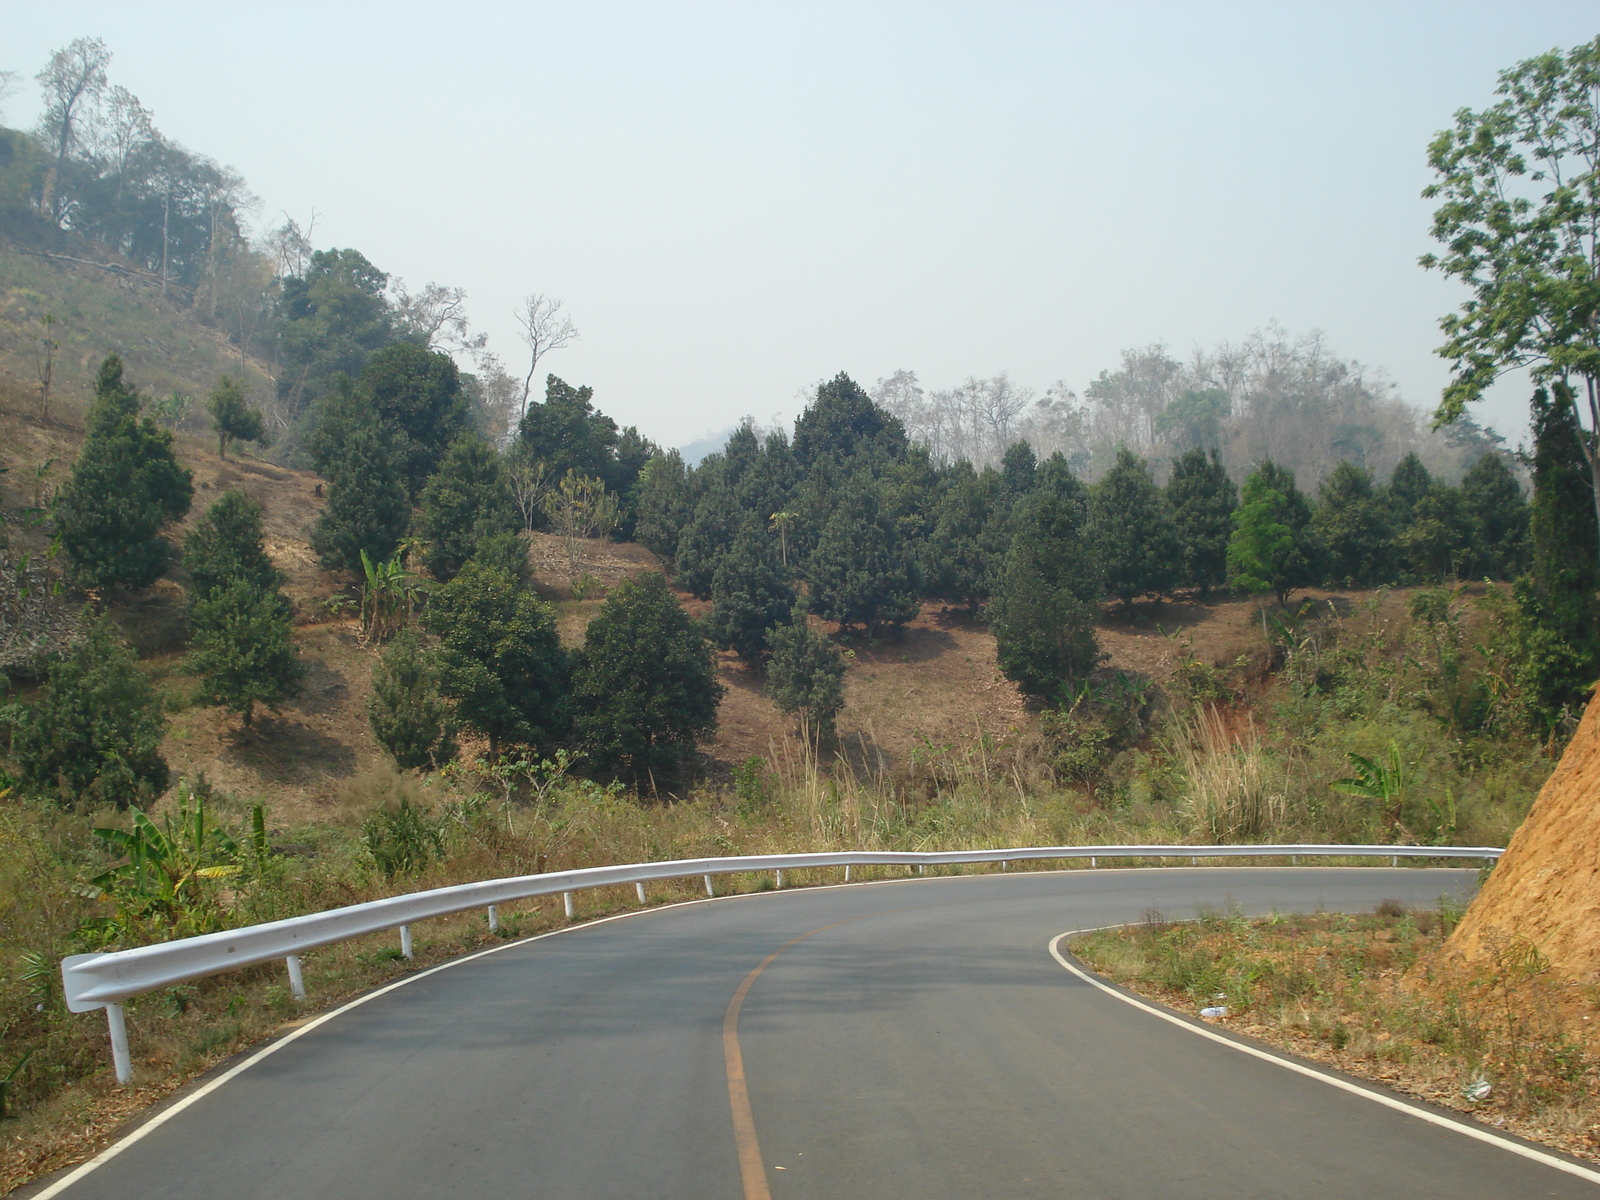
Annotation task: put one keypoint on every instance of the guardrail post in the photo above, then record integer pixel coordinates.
(1194, 861)
(1005, 865)
(1093, 862)
(847, 872)
(1294, 860)
(922, 868)
(638, 886)
(405, 942)
(297, 981)
(120, 1061)
(566, 899)
(1394, 860)
(710, 891)
(494, 918)
(779, 873)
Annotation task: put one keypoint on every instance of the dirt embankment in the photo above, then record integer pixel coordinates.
(1546, 889)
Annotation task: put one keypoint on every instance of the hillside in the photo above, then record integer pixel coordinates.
(936, 686)
(102, 305)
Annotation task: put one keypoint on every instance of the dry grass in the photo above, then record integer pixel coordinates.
(1366, 994)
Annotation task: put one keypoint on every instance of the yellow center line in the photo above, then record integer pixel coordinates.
(752, 1169)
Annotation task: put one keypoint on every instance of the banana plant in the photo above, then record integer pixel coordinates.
(1385, 782)
(164, 867)
(387, 592)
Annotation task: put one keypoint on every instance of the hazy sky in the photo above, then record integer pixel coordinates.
(737, 200)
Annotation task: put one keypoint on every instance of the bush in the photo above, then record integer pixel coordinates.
(645, 684)
(410, 718)
(94, 734)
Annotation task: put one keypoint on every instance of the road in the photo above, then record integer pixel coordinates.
(918, 1039)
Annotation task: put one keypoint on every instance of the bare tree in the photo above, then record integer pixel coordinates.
(543, 328)
(72, 82)
(8, 88)
(436, 318)
(118, 134)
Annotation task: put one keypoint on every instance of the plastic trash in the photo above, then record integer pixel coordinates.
(1215, 1010)
(1478, 1089)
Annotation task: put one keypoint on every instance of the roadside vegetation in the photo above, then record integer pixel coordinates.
(1507, 1041)
(427, 552)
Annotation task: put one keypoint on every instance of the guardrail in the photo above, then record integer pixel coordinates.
(94, 981)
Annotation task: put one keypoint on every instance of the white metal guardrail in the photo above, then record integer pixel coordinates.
(94, 981)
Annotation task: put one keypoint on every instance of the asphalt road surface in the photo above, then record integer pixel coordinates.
(906, 1039)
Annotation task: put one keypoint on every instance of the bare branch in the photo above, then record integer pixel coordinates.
(543, 328)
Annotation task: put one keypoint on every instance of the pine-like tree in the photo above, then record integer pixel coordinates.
(1499, 516)
(1203, 499)
(1272, 548)
(242, 649)
(645, 684)
(233, 417)
(705, 539)
(94, 732)
(862, 572)
(1437, 542)
(466, 500)
(1409, 484)
(367, 505)
(124, 487)
(226, 545)
(843, 423)
(409, 716)
(1560, 612)
(971, 530)
(805, 675)
(1043, 612)
(750, 593)
(1135, 535)
(500, 659)
(1352, 521)
(665, 504)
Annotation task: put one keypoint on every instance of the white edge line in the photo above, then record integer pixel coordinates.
(1473, 1131)
(166, 1114)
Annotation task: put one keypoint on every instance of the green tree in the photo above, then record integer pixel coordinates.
(805, 675)
(971, 530)
(1352, 520)
(417, 392)
(1271, 549)
(367, 508)
(665, 504)
(409, 715)
(1560, 612)
(705, 539)
(645, 683)
(233, 417)
(862, 572)
(94, 732)
(466, 500)
(500, 659)
(750, 593)
(1203, 499)
(124, 487)
(1438, 539)
(333, 319)
(1044, 608)
(226, 545)
(1520, 222)
(243, 650)
(1135, 535)
(1499, 516)
(842, 423)
(1194, 420)
(1408, 487)
(567, 433)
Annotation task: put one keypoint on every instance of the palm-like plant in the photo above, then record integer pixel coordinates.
(387, 592)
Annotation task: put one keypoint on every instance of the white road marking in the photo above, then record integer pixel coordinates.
(1355, 1089)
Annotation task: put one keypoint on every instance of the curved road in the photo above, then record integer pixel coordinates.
(921, 1041)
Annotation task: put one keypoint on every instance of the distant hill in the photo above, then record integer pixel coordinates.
(101, 306)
